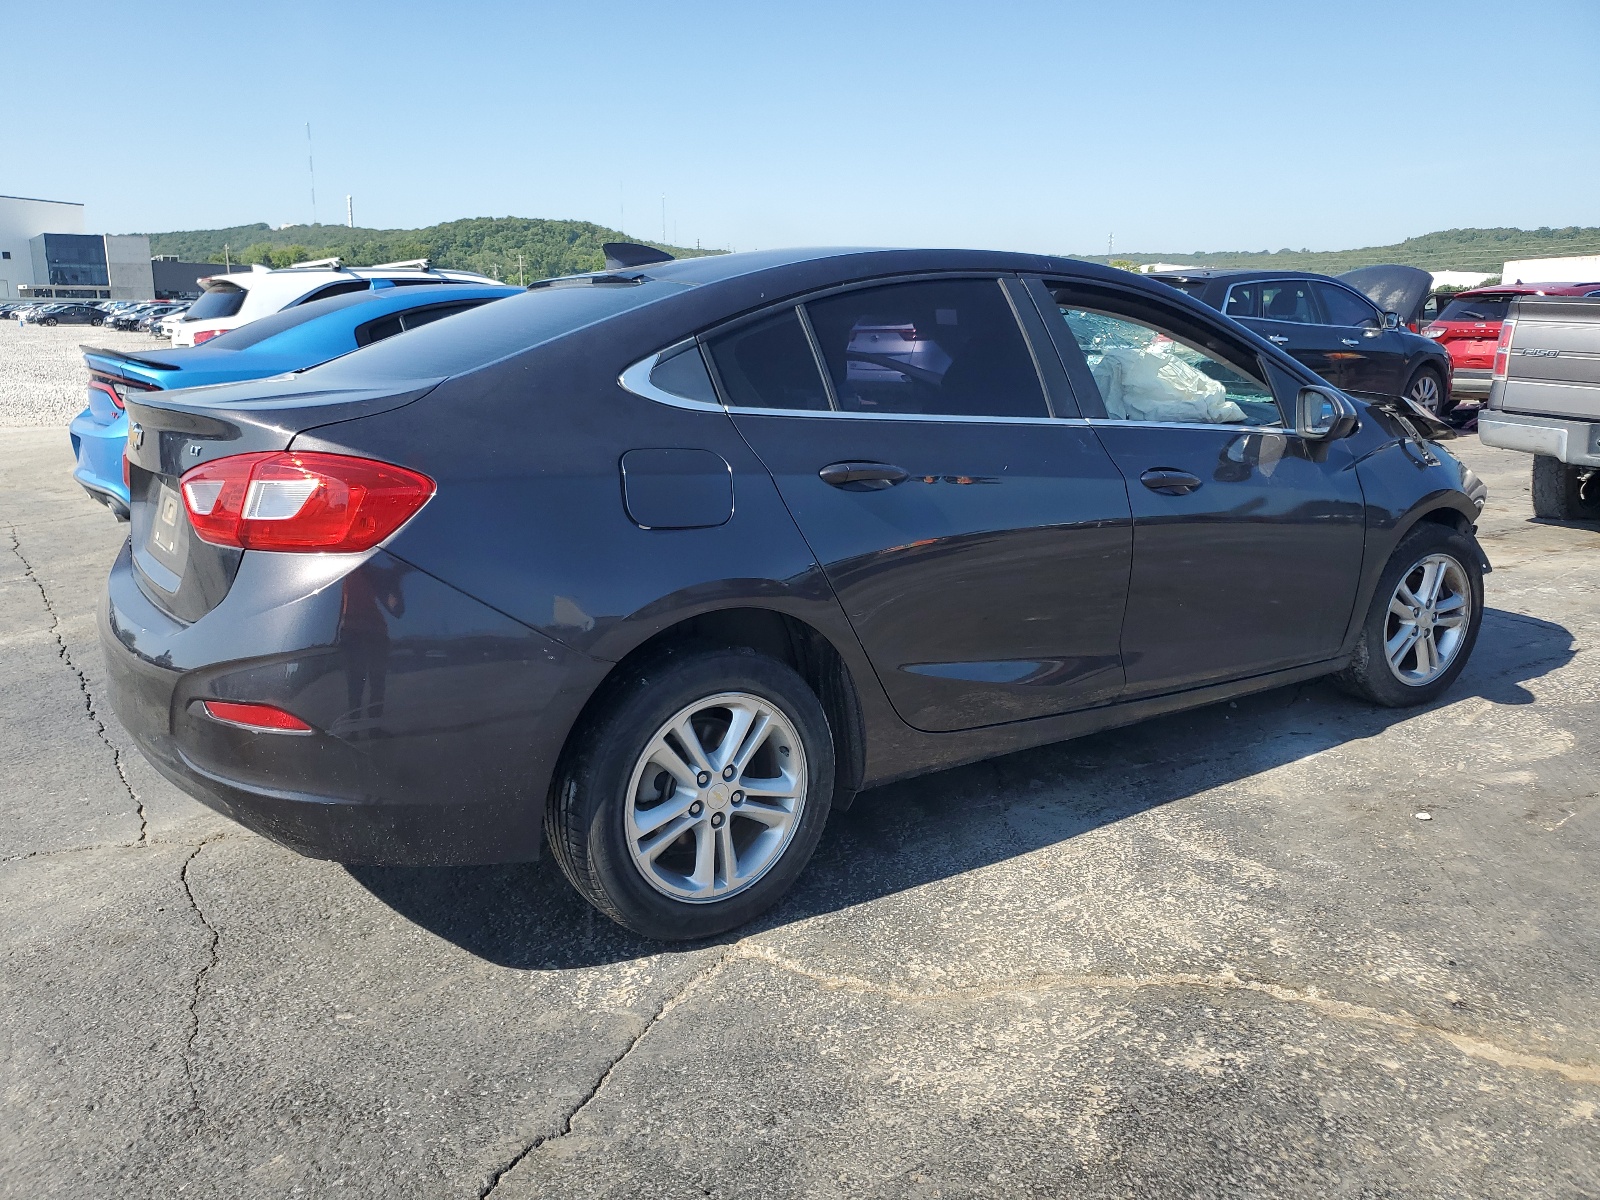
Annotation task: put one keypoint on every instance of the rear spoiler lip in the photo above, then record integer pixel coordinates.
(128, 356)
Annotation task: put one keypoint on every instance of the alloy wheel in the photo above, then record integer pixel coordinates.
(1425, 391)
(1429, 615)
(715, 798)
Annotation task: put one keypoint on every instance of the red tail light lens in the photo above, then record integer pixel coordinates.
(106, 390)
(205, 335)
(1502, 349)
(301, 501)
(255, 716)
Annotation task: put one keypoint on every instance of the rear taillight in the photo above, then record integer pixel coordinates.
(1502, 349)
(301, 501)
(205, 335)
(107, 390)
(255, 716)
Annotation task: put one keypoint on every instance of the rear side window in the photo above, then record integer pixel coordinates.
(769, 364)
(1288, 300)
(948, 347)
(216, 303)
(1477, 308)
(1241, 301)
(387, 327)
(684, 374)
(337, 289)
(1342, 307)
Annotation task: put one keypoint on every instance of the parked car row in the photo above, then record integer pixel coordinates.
(1468, 327)
(655, 566)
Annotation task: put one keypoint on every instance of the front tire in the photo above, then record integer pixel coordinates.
(1423, 621)
(1426, 389)
(1564, 493)
(695, 799)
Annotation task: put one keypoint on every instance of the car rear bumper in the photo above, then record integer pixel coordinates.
(1574, 442)
(436, 721)
(1471, 381)
(97, 450)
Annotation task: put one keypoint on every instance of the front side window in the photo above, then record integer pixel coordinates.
(1287, 300)
(1145, 373)
(947, 347)
(769, 364)
(1342, 307)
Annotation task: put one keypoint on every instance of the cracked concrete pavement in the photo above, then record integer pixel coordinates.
(1212, 955)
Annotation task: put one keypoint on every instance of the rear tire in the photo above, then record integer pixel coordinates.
(1402, 657)
(1427, 389)
(631, 779)
(49, 321)
(1564, 493)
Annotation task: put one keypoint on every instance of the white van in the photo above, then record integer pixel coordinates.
(230, 301)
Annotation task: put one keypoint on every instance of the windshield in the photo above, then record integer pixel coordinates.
(1477, 308)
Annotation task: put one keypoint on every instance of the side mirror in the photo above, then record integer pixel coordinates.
(1323, 415)
(1391, 320)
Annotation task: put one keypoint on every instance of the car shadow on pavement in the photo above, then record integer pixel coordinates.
(907, 834)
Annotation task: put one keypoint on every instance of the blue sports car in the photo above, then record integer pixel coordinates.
(306, 335)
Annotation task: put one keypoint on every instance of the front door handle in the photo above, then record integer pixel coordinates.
(863, 476)
(1351, 341)
(1169, 481)
(1277, 339)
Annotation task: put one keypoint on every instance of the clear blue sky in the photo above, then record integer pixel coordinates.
(1177, 126)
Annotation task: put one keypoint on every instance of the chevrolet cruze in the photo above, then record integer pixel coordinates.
(657, 566)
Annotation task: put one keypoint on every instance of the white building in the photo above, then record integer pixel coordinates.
(22, 220)
(1582, 268)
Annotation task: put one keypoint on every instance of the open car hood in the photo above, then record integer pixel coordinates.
(1393, 288)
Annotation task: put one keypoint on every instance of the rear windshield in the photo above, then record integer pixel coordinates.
(1193, 286)
(224, 300)
(1477, 308)
(489, 333)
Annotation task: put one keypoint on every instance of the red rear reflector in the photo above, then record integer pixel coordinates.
(127, 468)
(255, 716)
(205, 335)
(301, 501)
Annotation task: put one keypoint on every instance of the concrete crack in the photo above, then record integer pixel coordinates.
(83, 685)
(1218, 981)
(667, 1006)
(199, 979)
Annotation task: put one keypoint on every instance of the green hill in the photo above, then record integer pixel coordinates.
(1447, 250)
(489, 245)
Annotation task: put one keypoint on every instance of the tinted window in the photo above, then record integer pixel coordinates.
(387, 327)
(944, 347)
(1287, 300)
(337, 289)
(1146, 373)
(274, 323)
(1241, 300)
(215, 303)
(685, 374)
(1476, 308)
(1343, 307)
(1195, 287)
(376, 331)
(769, 364)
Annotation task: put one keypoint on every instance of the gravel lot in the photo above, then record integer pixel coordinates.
(1215, 955)
(41, 370)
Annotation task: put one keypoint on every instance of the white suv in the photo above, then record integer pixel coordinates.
(230, 301)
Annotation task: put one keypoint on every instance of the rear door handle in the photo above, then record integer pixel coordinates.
(1351, 341)
(1169, 481)
(1277, 339)
(863, 476)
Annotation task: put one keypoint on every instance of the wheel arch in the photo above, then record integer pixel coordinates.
(778, 635)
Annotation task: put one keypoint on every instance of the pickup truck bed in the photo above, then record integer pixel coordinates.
(1545, 400)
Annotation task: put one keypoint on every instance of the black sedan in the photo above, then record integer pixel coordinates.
(660, 564)
(69, 314)
(1330, 327)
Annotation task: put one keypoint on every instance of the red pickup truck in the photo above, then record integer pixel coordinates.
(1469, 327)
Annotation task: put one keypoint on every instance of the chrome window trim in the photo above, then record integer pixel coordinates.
(636, 379)
(932, 418)
(1097, 421)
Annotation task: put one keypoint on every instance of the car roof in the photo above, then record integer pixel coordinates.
(1240, 274)
(1528, 289)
